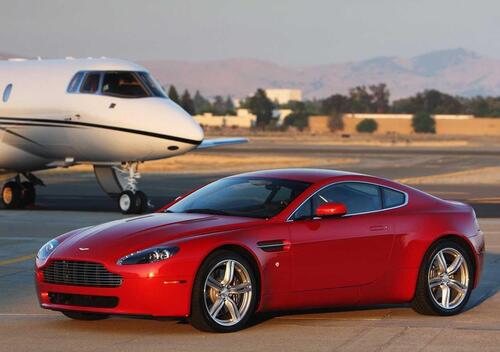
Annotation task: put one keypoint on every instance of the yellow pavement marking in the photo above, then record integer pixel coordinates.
(17, 259)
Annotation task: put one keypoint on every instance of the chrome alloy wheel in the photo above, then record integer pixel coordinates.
(228, 292)
(448, 278)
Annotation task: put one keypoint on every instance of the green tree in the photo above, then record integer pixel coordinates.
(335, 104)
(201, 104)
(187, 103)
(360, 100)
(260, 105)
(229, 106)
(173, 95)
(219, 106)
(423, 122)
(367, 126)
(299, 117)
(336, 122)
(380, 97)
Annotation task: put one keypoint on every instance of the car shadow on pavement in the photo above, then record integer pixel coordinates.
(489, 285)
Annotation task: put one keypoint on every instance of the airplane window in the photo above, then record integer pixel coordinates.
(91, 83)
(75, 82)
(6, 92)
(123, 85)
(152, 84)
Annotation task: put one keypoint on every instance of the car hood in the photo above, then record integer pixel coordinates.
(122, 237)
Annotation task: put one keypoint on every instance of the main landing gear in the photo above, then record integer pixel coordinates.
(132, 200)
(17, 194)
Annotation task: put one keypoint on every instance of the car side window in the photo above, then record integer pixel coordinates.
(304, 211)
(91, 83)
(392, 198)
(358, 197)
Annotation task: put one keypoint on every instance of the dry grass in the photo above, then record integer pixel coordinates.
(225, 162)
(486, 175)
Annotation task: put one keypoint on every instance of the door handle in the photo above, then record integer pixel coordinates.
(379, 228)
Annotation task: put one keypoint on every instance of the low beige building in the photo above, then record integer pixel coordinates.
(402, 124)
(283, 96)
(242, 119)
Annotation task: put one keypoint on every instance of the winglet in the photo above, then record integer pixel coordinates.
(210, 143)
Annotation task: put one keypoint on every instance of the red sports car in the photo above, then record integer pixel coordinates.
(266, 241)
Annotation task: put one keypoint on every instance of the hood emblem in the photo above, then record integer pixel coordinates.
(84, 248)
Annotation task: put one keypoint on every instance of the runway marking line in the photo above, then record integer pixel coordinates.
(17, 260)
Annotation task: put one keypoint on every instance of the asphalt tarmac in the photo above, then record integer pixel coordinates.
(26, 327)
(75, 200)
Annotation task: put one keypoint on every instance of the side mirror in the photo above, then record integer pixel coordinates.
(330, 210)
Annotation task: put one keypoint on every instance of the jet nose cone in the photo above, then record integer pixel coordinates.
(185, 124)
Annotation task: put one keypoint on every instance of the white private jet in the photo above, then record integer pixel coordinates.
(108, 113)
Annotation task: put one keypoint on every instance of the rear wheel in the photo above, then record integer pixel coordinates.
(12, 195)
(445, 280)
(28, 193)
(224, 293)
(84, 315)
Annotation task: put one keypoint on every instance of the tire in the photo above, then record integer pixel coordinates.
(85, 315)
(235, 309)
(433, 282)
(28, 193)
(127, 202)
(11, 195)
(141, 202)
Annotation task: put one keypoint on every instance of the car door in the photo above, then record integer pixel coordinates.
(351, 250)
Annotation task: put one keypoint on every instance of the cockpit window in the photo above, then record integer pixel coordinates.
(91, 83)
(75, 82)
(123, 84)
(152, 84)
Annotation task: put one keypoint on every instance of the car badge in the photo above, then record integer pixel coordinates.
(84, 248)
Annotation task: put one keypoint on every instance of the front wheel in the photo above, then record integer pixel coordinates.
(224, 293)
(445, 280)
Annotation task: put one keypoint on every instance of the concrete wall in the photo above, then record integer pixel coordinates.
(401, 124)
(242, 119)
(474, 127)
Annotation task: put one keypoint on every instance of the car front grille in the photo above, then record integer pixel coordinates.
(77, 273)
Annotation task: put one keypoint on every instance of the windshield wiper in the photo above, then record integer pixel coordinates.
(207, 211)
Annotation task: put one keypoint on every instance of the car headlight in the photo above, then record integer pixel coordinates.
(150, 255)
(47, 249)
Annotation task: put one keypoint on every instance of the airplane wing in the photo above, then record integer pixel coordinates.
(210, 143)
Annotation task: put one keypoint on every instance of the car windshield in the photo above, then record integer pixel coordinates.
(242, 196)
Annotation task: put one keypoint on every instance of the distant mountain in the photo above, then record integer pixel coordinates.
(454, 71)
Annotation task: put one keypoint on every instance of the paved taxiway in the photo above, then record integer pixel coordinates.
(75, 200)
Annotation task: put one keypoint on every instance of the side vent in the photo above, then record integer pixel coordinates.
(274, 245)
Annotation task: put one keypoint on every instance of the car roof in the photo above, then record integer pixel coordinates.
(300, 174)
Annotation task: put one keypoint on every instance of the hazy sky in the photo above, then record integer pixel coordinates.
(283, 31)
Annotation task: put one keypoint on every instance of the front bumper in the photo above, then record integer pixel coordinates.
(154, 296)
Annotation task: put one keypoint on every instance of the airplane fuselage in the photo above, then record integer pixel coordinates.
(51, 116)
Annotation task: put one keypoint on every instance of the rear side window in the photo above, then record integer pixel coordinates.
(91, 83)
(356, 196)
(392, 198)
(123, 84)
(75, 82)
(6, 92)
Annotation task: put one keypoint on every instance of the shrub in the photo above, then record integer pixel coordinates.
(423, 122)
(367, 126)
(336, 122)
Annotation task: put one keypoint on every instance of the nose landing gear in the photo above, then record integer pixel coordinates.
(132, 200)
